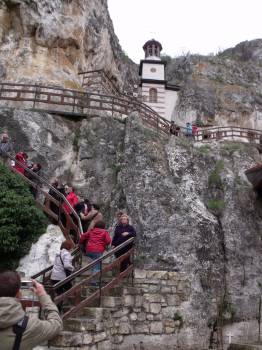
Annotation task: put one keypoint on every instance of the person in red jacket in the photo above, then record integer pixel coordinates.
(71, 197)
(95, 242)
(194, 131)
(21, 157)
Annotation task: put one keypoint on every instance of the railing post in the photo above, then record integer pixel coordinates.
(100, 283)
(59, 211)
(1, 90)
(74, 102)
(35, 97)
(133, 271)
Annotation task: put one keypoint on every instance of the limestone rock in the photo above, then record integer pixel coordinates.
(222, 89)
(43, 252)
(50, 41)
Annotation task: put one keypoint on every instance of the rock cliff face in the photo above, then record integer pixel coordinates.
(51, 41)
(224, 89)
(192, 206)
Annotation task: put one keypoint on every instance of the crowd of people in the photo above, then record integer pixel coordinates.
(95, 239)
(21, 164)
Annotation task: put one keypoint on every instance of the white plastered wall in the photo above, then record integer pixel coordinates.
(159, 107)
(171, 98)
(159, 74)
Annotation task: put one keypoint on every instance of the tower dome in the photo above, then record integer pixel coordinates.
(152, 49)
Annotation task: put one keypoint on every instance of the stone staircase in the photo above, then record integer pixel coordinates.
(127, 314)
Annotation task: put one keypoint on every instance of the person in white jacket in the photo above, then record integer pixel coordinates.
(63, 266)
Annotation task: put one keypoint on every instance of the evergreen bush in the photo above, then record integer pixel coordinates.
(21, 222)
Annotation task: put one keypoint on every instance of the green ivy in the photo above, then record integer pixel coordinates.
(21, 222)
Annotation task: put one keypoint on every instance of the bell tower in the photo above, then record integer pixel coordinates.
(155, 91)
(152, 73)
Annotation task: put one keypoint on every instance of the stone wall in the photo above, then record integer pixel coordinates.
(148, 315)
(151, 307)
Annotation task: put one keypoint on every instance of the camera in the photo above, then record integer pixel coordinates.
(26, 284)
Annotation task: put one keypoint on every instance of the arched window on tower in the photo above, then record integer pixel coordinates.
(153, 95)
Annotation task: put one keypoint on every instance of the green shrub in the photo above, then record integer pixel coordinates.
(76, 140)
(233, 146)
(204, 149)
(215, 204)
(178, 319)
(21, 222)
(214, 177)
(226, 310)
(116, 168)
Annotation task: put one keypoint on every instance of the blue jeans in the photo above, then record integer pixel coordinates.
(94, 256)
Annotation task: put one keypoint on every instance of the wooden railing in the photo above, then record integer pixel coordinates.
(80, 103)
(228, 132)
(97, 80)
(76, 103)
(70, 224)
(75, 292)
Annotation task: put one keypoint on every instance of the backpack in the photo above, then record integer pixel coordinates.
(19, 329)
(67, 272)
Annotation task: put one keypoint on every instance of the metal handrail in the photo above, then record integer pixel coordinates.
(94, 262)
(75, 252)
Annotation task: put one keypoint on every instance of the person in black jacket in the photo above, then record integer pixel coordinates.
(122, 233)
(84, 208)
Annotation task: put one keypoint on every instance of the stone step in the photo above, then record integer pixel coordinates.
(83, 324)
(235, 346)
(95, 313)
(107, 301)
(111, 301)
(116, 291)
(71, 339)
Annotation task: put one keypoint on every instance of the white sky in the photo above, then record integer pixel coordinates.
(198, 26)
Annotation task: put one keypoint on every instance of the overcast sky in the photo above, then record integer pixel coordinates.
(198, 26)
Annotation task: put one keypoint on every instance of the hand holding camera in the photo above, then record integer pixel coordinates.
(36, 287)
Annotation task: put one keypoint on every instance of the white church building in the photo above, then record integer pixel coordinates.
(155, 91)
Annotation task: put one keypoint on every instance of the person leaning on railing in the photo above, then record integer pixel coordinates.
(13, 319)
